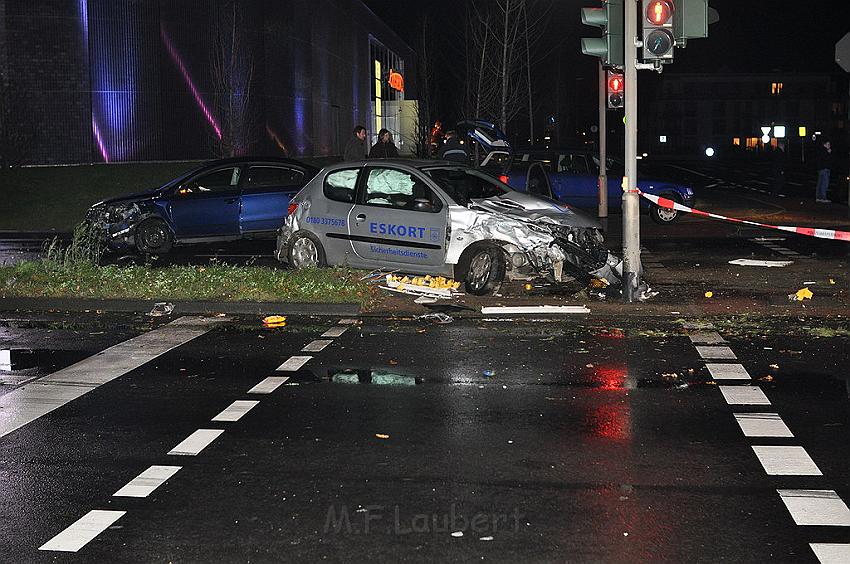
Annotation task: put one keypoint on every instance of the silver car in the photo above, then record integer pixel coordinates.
(439, 218)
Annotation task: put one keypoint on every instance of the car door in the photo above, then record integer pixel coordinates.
(207, 205)
(265, 192)
(398, 218)
(538, 181)
(576, 184)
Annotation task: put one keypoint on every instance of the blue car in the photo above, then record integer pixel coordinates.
(571, 176)
(223, 200)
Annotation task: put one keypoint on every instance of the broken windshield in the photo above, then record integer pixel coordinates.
(463, 185)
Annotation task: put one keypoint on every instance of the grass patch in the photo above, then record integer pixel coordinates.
(82, 279)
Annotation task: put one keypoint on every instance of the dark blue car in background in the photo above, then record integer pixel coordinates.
(223, 200)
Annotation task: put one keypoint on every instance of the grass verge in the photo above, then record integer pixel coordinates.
(55, 279)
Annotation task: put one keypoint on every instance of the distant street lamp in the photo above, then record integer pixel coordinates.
(709, 151)
(779, 131)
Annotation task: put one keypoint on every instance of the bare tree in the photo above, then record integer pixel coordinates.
(425, 109)
(232, 65)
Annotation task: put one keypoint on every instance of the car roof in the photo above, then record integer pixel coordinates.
(404, 163)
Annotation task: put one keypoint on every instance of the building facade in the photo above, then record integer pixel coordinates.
(105, 81)
(687, 113)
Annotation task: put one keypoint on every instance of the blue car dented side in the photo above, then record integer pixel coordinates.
(223, 200)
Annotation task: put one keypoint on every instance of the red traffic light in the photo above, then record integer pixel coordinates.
(659, 12)
(615, 84)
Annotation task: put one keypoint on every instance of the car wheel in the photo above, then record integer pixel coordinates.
(153, 236)
(306, 251)
(486, 271)
(664, 216)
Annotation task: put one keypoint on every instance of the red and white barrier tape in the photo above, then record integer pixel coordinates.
(810, 231)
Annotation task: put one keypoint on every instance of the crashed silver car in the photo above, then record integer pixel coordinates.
(439, 218)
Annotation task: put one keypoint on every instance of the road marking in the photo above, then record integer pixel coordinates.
(145, 483)
(35, 399)
(744, 395)
(716, 352)
(82, 531)
(762, 425)
(348, 322)
(196, 442)
(706, 337)
(236, 410)
(268, 385)
(816, 507)
(293, 363)
(317, 345)
(831, 553)
(786, 461)
(335, 332)
(728, 371)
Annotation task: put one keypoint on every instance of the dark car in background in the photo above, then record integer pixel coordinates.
(222, 200)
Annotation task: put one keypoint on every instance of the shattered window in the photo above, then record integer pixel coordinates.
(274, 177)
(341, 184)
(223, 180)
(463, 185)
(398, 189)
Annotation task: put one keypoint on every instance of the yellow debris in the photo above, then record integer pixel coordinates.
(804, 294)
(709, 294)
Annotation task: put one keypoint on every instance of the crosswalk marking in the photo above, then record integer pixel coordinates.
(82, 531)
(786, 461)
(269, 385)
(728, 371)
(293, 363)
(716, 352)
(317, 345)
(831, 553)
(236, 410)
(145, 483)
(196, 442)
(744, 395)
(335, 331)
(762, 425)
(706, 338)
(816, 507)
(35, 399)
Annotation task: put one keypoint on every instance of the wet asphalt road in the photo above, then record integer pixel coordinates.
(582, 439)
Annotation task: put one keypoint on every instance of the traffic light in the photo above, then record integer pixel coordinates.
(609, 47)
(690, 20)
(615, 84)
(657, 17)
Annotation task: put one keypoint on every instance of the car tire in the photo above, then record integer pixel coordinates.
(153, 237)
(485, 271)
(306, 251)
(665, 216)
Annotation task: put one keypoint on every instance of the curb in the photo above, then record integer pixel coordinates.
(180, 307)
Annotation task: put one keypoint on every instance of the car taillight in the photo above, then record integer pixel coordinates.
(504, 178)
(292, 207)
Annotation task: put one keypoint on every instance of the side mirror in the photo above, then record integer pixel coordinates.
(423, 204)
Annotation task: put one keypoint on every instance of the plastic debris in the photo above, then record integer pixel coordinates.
(528, 286)
(273, 321)
(800, 295)
(534, 309)
(437, 317)
(422, 300)
(765, 263)
(489, 373)
(422, 285)
(832, 281)
(709, 294)
(161, 308)
(485, 538)
(381, 436)
(457, 534)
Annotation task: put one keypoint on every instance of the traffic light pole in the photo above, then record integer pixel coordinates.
(603, 145)
(631, 199)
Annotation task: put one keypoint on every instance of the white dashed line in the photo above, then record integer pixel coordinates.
(762, 425)
(831, 553)
(335, 332)
(816, 507)
(317, 345)
(145, 483)
(716, 352)
(786, 461)
(728, 371)
(706, 338)
(236, 410)
(83, 531)
(744, 395)
(293, 363)
(268, 385)
(196, 442)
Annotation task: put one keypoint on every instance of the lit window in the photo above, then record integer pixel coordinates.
(736, 140)
(775, 88)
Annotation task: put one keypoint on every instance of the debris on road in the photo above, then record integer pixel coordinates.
(437, 317)
(437, 287)
(489, 373)
(765, 263)
(161, 308)
(274, 321)
(709, 294)
(381, 436)
(800, 295)
(541, 309)
(457, 534)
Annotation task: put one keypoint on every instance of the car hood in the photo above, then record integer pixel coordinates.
(534, 208)
(130, 198)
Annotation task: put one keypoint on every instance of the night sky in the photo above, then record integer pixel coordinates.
(751, 36)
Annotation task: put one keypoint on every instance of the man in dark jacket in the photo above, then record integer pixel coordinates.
(355, 150)
(384, 148)
(823, 164)
(453, 149)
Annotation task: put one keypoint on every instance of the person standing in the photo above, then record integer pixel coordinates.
(823, 163)
(453, 150)
(384, 148)
(356, 148)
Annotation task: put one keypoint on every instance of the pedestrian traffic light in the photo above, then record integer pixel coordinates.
(609, 47)
(615, 85)
(658, 39)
